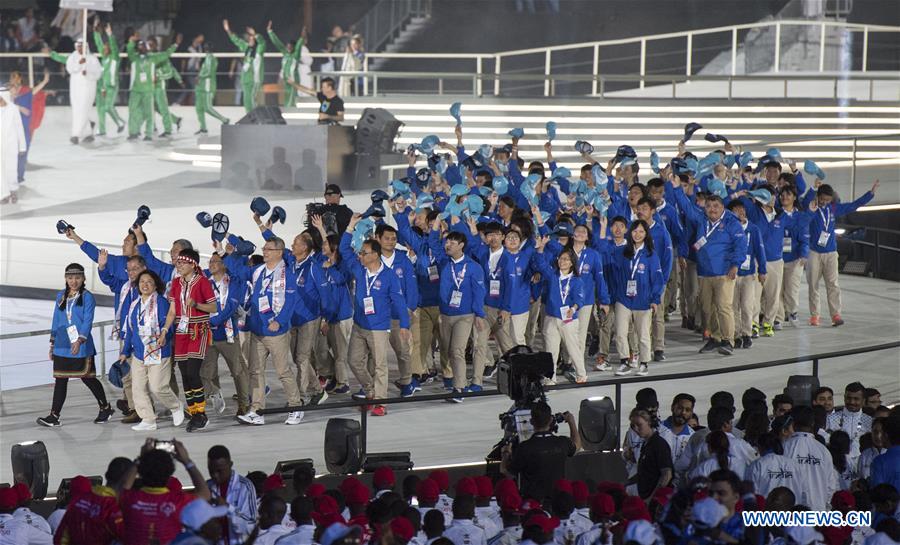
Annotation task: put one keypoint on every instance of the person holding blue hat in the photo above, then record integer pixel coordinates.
(795, 251)
(751, 275)
(662, 244)
(166, 271)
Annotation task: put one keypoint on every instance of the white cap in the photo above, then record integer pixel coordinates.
(708, 513)
(640, 531)
(199, 512)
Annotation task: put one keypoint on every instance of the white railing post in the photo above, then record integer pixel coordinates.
(777, 46)
(366, 77)
(822, 48)
(596, 68)
(497, 75)
(30, 71)
(478, 73)
(865, 59)
(690, 42)
(643, 60)
(733, 52)
(547, 73)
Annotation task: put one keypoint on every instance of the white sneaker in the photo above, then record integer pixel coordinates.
(624, 369)
(605, 366)
(643, 370)
(178, 417)
(144, 426)
(217, 402)
(251, 418)
(293, 418)
(633, 363)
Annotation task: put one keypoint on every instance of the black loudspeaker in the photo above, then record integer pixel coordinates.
(342, 446)
(598, 424)
(263, 115)
(31, 465)
(286, 468)
(398, 461)
(376, 131)
(801, 389)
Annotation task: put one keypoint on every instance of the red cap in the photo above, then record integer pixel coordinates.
(348, 484)
(511, 503)
(384, 478)
(315, 490)
(563, 485)
(485, 486)
(273, 482)
(23, 492)
(402, 528)
(504, 486)
(357, 495)
(466, 487)
(634, 508)
(843, 501)
(427, 490)
(603, 505)
(79, 486)
(545, 523)
(174, 485)
(9, 500)
(442, 478)
(580, 491)
(325, 505)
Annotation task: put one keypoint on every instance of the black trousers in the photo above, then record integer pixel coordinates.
(61, 388)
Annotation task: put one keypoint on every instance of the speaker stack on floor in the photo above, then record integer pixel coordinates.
(263, 115)
(376, 131)
(345, 453)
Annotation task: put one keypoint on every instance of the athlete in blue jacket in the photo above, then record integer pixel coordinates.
(662, 244)
(795, 251)
(751, 274)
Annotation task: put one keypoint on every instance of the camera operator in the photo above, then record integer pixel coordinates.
(541, 460)
(342, 212)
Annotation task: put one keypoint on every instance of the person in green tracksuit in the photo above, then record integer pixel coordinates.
(252, 72)
(205, 90)
(164, 72)
(143, 72)
(289, 64)
(108, 84)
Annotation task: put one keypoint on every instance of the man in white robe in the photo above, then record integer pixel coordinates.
(12, 143)
(84, 70)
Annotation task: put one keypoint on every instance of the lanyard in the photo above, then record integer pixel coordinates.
(370, 284)
(70, 306)
(564, 292)
(299, 266)
(267, 279)
(635, 262)
(712, 228)
(458, 280)
(493, 270)
(826, 217)
(185, 294)
(581, 258)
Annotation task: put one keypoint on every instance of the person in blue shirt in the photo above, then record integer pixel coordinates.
(795, 250)
(563, 298)
(721, 248)
(662, 243)
(638, 288)
(886, 466)
(517, 285)
(272, 301)
(116, 263)
(462, 299)
(224, 326)
(669, 216)
(377, 298)
(751, 276)
(823, 256)
(151, 364)
(618, 230)
(72, 346)
(166, 271)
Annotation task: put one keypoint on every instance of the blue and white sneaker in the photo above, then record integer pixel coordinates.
(409, 389)
(341, 389)
(361, 394)
(455, 399)
(473, 388)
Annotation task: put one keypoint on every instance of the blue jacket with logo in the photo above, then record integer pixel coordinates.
(427, 278)
(590, 270)
(82, 317)
(472, 286)
(725, 243)
(133, 344)
(339, 305)
(385, 291)
(796, 231)
(824, 219)
(237, 291)
(647, 275)
(755, 258)
(406, 274)
(553, 291)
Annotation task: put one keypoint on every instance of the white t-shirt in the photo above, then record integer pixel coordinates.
(818, 480)
(771, 471)
(464, 532)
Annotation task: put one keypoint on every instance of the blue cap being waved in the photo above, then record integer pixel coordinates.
(204, 219)
(259, 206)
(220, 224)
(454, 113)
(690, 129)
(551, 130)
(143, 214)
(62, 226)
(278, 215)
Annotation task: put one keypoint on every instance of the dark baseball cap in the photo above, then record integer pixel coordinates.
(333, 189)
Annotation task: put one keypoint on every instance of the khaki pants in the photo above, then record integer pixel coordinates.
(415, 350)
(518, 324)
(771, 291)
(503, 333)
(556, 330)
(127, 390)
(429, 330)
(534, 315)
(585, 314)
(790, 290)
(455, 333)
(303, 343)
(401, 350)
(338, 342)
(672, 291)
(823, 266)
(366, 345)
(744, 303)
(156, 378)
(209, 370)
(658, 324)
(279, 347)
(483, 355)
(640, 319)
(716, 298)
(606, 333)
(690, 288)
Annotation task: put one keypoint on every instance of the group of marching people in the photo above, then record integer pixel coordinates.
(469, 248)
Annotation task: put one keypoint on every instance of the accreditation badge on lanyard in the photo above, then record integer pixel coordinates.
(825, 235)
(494, 283)
(563, 295)
(263, 300)
(456, 296)
(183, 321)
(71, 330)
(368, 300)
(701, 242)
(631, 284)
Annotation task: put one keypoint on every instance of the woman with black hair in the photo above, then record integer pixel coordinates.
(72, 346)
(337, 313)
(563, 295)
(637, 287)
(839, 447)
(718, 444)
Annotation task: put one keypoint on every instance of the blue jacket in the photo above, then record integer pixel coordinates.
(384, 288)
(116, 264)
(427, 277)
(755, 258)
(554, 288)
(516, 285)
(121, 302)
(471, 285)
(590, 271)
(481, 253)
(258, 322)
(795, 241)
(166, 271)
(339, 305)
(824, 219)
(310, 290)
(82, 310)
(406, 274)
(237, 291)
(725, 245)
(133, 345)
(771, 232)
(662, 246)
(646, 272)
(669, 216)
